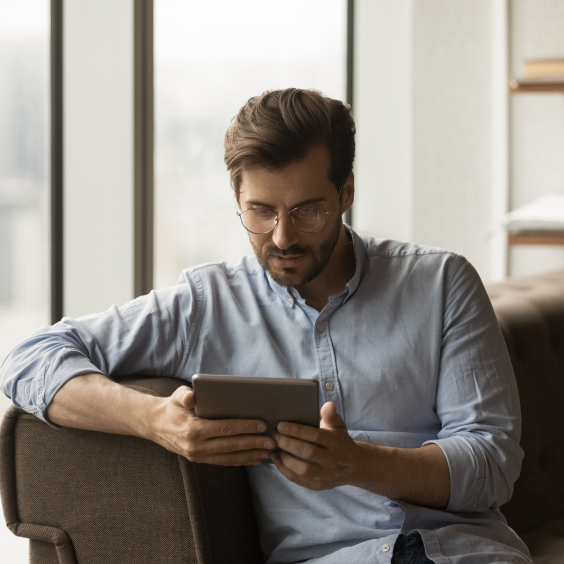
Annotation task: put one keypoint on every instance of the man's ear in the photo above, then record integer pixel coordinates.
(347, 197)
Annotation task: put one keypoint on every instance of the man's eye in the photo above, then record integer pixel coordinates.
(306, 213)
(263, 214)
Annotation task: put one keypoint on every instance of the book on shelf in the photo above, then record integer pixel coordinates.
(544, 68)
(543, 214)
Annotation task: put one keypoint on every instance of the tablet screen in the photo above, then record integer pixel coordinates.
(271, 400)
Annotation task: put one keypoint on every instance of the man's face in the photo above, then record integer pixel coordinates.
(293, 258)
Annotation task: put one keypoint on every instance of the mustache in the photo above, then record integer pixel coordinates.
(293, 250)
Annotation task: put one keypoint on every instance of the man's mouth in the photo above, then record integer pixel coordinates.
(288, 261)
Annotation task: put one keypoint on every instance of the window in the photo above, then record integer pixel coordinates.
(24, 188)
(210, 57)
(24, 170)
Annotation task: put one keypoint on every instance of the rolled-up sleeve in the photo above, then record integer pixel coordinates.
(477, 399)
(148, 335)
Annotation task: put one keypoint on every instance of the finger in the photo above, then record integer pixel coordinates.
(303, 432)
(208, 428)
(300, 448)
(183, 397)
(329, 416)
(294, 469)
(239, 458)
(286, 472)
(236, 443)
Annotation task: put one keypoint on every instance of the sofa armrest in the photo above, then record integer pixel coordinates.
(96, 497)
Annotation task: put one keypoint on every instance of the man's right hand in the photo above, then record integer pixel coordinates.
(227, 442)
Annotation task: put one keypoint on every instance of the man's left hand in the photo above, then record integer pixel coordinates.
(329, 451)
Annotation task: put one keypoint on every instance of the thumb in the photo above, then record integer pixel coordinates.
(183, 397)
(330, 417)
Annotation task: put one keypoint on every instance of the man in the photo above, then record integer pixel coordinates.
(418, 445)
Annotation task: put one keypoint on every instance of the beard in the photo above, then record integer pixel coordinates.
(290, 276)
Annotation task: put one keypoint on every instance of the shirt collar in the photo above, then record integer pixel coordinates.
(360, 256)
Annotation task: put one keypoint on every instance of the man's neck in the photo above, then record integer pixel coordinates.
(334, 277)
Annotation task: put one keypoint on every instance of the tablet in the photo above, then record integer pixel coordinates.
(271, 400)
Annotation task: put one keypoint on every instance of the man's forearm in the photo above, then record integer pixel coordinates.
(420, 475)
(327, 457)
(95, 403)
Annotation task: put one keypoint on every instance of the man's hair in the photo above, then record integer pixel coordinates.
(280, 126)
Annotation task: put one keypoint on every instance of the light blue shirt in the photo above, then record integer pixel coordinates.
(410, 353)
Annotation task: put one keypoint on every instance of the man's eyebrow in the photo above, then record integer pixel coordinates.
(299, 204)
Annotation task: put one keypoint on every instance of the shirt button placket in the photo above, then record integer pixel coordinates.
(328, 376)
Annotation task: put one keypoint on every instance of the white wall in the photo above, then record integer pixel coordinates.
(452, 127)
(423, 107)
(382, 109)
(98, 145)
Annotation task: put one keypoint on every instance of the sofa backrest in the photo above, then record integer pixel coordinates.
(531, 316)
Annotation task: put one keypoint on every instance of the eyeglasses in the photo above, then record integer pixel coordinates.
(306, 219)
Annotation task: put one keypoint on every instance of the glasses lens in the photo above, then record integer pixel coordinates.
(258, 221)
(309, 220)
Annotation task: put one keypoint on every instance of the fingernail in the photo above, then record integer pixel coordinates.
(283, 427)
(269, 444)
(261, 427)
(276, 437)
(264, 456)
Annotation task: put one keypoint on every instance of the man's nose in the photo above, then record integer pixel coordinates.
(285, 234)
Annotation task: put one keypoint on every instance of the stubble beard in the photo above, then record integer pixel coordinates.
(290, 276)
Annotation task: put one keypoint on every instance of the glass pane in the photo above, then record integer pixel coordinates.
(210, 58)
(24, 188)
(24, 169)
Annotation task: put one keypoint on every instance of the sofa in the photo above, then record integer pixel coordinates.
(88, 497)
(530, 312)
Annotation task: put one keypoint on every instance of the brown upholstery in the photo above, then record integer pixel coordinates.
(531, 316)
(91, 497)
(96, 498)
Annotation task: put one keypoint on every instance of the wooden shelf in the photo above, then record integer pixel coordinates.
(536, 238)
(521, 87)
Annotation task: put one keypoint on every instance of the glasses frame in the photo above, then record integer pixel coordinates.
(289, 214)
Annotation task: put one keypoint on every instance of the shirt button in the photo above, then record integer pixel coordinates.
(328, 385)
(295, 293)
(290, 301)
(385, 547)
(321, 327)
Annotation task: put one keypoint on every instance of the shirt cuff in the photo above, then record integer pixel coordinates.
(466, 474)
(68, 364)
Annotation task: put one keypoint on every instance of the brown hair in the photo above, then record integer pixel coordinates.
(280, 126)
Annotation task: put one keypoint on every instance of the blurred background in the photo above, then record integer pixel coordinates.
(106, 192)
